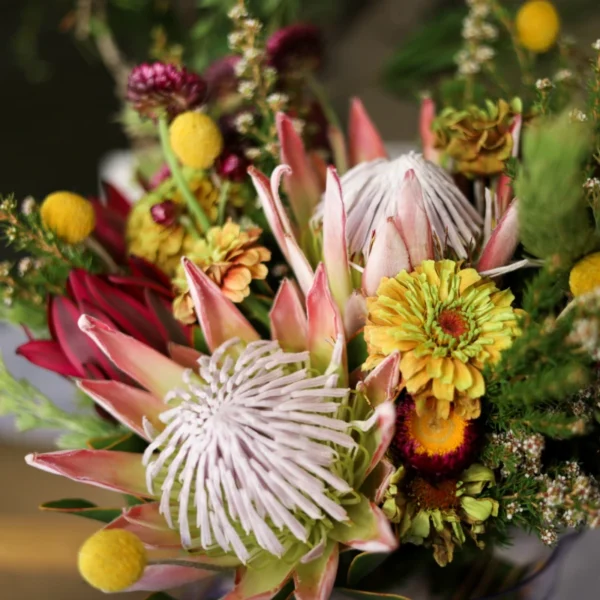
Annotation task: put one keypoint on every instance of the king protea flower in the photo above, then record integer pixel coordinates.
(258, 455)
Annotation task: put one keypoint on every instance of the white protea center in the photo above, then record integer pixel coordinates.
(370, 192)
(249, 454)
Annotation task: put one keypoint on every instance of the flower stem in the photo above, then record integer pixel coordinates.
(317, 89)
(191, 201)
(223, 201)
(258, 310)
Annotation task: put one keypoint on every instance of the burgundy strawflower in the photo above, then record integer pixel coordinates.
(164, 213)
(220, 77)
(438, 447)
(161, 86)
(298, 47)
(232, 166)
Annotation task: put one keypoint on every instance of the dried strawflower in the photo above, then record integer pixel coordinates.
(295, 49)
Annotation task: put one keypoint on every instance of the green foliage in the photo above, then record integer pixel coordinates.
(554, 219)
(82, 508)
(33, 410)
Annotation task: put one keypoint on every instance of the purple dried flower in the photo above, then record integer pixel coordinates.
(232, 166)
(160, 86)
(164, 213)
(298, 47)
(220, 77)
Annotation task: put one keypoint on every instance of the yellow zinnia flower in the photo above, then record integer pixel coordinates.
(446, 322)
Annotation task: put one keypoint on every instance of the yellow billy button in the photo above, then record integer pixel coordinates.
(195, 139)
(70, 216)
(112, 560)
(585, 275)
(537, 25)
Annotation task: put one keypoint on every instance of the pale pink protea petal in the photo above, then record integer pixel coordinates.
(338, 149)
(165, 577)
(335, 251)
(381, 384)
(426, 118)
(367, 529)
(376, 484)
(384, 432)
(503, 242)
(263, 189)
(314, 580)
(288, 319)
(112, 470)
(388, 257)
(319, 166)
(127, 404)
(302, 187)
(260, 584)
(219, 318)
(412, 221)
(154, 533)
(364, 139)
(355, 316)
(157, 373)
(324, 323)
(300, 265)
(184, 355)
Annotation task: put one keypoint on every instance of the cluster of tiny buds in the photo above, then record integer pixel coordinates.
(28, 206)
(586, 334)
(25, 265)
(244, 121)
(596, 45)
(592, 184)
(476, 31)
(544, 84)
(277, 101)
(10, 233)
(8, 204)
(512, 508)
(525, 451)
(563, 75)
(5, 268)
(549, 536)
(578, 115)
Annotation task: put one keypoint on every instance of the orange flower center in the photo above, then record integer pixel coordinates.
(430, 496)
(452, 323)
(435, 436)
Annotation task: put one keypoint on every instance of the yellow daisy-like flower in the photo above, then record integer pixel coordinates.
(231, 257)
(446, 322)
(164, 245)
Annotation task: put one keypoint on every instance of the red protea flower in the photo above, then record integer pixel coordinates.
(433, 446)
(160, 86)
(137, 304)
(295, 48)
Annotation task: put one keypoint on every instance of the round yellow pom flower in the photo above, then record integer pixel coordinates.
(195, 139)
(538, 25)
(585, 275)
(446, 322)
(164, 244)
(112, 560)
(69, 216)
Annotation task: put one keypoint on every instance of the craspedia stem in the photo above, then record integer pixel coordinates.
(192, 203)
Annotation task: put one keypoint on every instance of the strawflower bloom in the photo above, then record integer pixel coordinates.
(257, 454)
(158, 86)
(295, 48)
(447, 323)
(436, 447)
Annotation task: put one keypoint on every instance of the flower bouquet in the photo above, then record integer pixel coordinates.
(315, 367)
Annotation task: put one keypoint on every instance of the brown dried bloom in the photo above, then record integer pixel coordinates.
(231, 257)
(479, 140)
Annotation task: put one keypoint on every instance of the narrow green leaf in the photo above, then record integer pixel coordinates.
(359, 595)
(357, 351)
(128, 442)
(285, 592)
(82, 508)
(363, 564)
